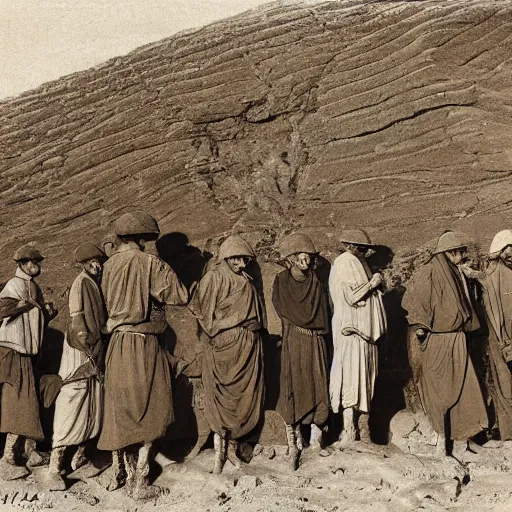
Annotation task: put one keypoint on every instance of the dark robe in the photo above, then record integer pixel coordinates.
(497, 295)
(437, 300)
(302, 307)
(138, 394)
(229, 311)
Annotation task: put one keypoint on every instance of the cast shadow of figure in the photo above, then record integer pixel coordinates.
(48, 363)
(181, 340)
(394, 373)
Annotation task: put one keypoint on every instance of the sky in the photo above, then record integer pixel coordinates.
(42, 40)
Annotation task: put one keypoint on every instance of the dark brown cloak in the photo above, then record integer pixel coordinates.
(302, 307)
(229, 311)
(497, 296)
(437, 300)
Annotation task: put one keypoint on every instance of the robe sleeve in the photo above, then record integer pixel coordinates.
(165, 285)
(417, 299)
(9, 307)
(77, 333)
(354, 288)
(205, 303)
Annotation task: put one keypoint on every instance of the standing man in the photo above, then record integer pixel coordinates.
(440, 312)
(138, 395)
(358, 322)
(229, 311)
(79, 405)
(497, 295)
(24, 315)
(301, 303)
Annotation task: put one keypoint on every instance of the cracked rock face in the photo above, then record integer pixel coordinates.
(393, 116)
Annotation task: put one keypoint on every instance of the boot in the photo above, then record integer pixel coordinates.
(203, 433)
(130, 466)
(364, 428)
(79, 459)
(299, 441)
(219, 444)
(55, 481)
(115, 475)
(142, 490)
(9, 470)
(348, 434)
(293, 451)
(315, 439)
(34, 458)
(232, 454)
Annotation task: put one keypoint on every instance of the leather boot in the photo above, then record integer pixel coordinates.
(34, 458)
(293, 451)
(79, 459)
(9, 469)
(55, 481)
(232, 454)
(115, 475)
(348, 434)
(142, 490)
(219, 444)
(130, 466)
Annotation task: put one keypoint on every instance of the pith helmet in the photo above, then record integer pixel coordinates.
(28, 252)
(235, 245)
(500, 241)
(137, 223)
(88, 251)
(451, 240)
(356, 237)
(295, 243)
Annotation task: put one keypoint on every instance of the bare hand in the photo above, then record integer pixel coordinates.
(376, 280)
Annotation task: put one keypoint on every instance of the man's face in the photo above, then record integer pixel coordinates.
(30, 267)
(506, 256)
(303, 261)
(238, 263)
(457, 256)
(93, 267)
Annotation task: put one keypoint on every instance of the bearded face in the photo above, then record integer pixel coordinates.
(457, 256)
(506, 256)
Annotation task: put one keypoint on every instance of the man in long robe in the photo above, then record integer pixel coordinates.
(301, 303)
(497, 296)
(229, 312)
(358, 322)
(138, 394)
(79, 404)
(440, 312)
(24, 315)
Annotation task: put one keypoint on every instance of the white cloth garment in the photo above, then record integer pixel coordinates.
(354, 365)
(23, 333)
(79, 405)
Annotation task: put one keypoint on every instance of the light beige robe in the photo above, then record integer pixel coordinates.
(354, 365)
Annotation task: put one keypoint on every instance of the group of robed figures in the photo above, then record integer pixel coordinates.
(115, 378)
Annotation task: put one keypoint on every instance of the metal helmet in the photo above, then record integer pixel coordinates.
(88, 251)
(500, 241)
(137, 223)
(28, 252)
(356, 237)
(296, 243)
(451, 240)
(235, 245)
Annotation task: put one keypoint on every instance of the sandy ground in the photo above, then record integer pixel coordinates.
(365, 477)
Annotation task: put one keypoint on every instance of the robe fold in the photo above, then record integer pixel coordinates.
(138, 394)
(79, 404)
(230, 313)
(302, 307)
(437, 300)
(21, 335)
(497, 296)
(358, 322)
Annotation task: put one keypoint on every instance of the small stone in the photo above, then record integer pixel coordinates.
(248, 482)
